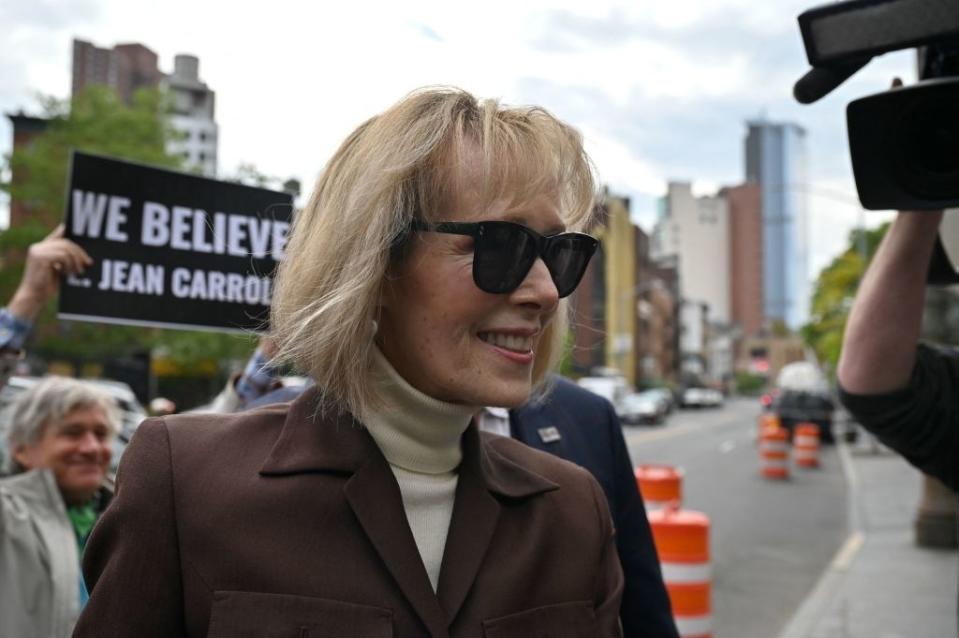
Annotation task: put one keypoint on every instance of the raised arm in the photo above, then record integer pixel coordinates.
(879, 347)
(46, 261)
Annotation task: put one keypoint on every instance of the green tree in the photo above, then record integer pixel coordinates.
(835, 291)
(97, 121)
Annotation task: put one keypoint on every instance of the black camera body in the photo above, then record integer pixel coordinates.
(904, 142)
(904, 145)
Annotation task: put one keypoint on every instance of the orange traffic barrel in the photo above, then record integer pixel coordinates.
(774, 453)
(768, 419)
(806, 445)
(660, 485)
(682, 543)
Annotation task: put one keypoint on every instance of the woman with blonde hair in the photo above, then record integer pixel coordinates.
(423, 280)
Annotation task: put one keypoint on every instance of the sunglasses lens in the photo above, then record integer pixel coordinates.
(567, 258)
(503, 254)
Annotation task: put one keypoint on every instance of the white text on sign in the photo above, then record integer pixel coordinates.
(98, 215)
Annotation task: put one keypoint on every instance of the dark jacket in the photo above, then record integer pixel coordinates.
(921, 422)
(272, 523)
(591, 436)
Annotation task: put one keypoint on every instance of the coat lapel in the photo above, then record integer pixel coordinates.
(338, 443)
(484, 475)
(540, 427)
(475, 513)
(376, 500)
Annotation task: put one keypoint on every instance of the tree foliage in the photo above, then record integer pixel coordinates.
(98, 122)
(835, 291)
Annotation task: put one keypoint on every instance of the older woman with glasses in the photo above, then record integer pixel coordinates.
(422, 282)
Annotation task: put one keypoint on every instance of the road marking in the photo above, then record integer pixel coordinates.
(844, 557)
(854, 514)
(726, 447)
(812, 609)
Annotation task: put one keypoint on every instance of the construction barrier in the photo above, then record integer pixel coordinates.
(682, 542)
(774, 453)
(766, 420)
(806, 445)
(660, 485)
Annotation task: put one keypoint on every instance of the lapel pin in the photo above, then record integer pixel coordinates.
(549, 435)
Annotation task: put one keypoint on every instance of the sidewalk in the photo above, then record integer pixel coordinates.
(880, 585)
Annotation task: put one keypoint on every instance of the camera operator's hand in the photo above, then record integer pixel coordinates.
(879, 347)
(47, 261)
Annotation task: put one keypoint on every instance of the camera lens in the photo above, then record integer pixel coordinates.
(929, 147)
(936, 132)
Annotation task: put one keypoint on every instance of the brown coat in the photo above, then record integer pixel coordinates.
(268, 523)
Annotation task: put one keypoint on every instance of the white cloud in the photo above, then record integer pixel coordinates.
(660, 90)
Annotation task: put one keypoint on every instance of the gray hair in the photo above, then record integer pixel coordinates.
(51, 399)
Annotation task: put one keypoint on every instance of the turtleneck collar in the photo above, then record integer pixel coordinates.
(414, 431)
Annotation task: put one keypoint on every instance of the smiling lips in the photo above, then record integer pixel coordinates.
(512, 342)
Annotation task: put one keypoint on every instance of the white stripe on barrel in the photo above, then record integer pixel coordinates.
(686, 573)
(694, 626)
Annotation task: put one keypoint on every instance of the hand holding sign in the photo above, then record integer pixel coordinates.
(46, 262)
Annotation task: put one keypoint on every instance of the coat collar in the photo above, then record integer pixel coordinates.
(337, 442)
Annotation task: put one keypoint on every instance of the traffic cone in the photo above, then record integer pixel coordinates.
(774, 453)
(682, 543)
(659, 485)
(806, 445)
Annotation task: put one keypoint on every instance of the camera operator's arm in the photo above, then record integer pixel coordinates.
(879, 346)
(904, 392)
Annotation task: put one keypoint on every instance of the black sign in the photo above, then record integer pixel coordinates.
(171, 249)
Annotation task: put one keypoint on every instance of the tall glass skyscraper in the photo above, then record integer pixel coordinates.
(776, 160)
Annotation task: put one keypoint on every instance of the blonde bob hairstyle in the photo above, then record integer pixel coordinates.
(412, 161)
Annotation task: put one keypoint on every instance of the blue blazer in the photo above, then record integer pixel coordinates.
(582, 427)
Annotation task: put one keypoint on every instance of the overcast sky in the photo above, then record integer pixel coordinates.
(660, 89)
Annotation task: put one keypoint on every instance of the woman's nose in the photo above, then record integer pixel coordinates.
(538, 288)
(89, 442)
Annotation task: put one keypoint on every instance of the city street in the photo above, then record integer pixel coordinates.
(770, 541)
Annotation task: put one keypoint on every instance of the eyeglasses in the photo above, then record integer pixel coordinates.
(504, 253)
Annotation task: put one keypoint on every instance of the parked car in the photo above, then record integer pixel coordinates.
(698, 397)
(664, 396)
(131, 411)
(641, 408)
(612, 388)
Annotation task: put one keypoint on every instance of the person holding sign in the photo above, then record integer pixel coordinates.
(423, 281)
(47, 261)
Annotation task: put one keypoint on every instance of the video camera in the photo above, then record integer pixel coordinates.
(904, 142)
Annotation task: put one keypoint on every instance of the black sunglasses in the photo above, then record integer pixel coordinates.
(504, 252)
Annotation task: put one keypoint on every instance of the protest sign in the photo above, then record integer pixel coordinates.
(171, 249)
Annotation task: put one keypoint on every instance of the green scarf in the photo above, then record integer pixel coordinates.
(83, 517)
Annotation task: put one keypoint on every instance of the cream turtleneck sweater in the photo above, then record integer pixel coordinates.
(420, 438)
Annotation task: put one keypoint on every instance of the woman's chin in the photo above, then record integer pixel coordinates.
(508, 397)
